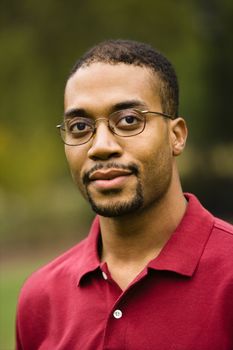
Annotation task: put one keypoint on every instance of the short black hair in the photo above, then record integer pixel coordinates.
(138, 54)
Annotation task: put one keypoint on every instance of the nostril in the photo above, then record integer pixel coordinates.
(104, 144)
(104, 149)
(103, 154)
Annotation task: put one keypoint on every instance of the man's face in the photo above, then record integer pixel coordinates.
(119, 175)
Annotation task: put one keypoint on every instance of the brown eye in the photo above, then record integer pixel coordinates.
(79, 125)
(128, 121)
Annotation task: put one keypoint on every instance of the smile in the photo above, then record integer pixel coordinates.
(109, 179)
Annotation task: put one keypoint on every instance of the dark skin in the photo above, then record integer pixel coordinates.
(129, 240)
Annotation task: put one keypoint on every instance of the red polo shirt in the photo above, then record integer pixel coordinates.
(182, 300)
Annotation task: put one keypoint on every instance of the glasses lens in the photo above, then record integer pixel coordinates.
(127, 122)
(77, 131)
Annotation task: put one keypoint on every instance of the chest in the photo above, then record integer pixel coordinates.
(156, 312)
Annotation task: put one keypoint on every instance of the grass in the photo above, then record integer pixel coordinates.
(12, 278)
(13, 274)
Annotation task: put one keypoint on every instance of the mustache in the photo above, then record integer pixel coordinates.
(132, 167)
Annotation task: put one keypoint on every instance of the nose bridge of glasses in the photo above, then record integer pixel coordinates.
(101, 119)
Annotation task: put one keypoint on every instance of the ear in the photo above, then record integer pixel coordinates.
(179, 133)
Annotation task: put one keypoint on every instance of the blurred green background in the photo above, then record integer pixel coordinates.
(41, 213)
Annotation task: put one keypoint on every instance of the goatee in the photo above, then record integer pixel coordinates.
(119, 208)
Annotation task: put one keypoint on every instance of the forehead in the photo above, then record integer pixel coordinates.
(101, 85)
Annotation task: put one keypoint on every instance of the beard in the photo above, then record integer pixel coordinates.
(118, 208)
(115, 207)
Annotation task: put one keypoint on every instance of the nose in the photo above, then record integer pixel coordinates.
(104, 144)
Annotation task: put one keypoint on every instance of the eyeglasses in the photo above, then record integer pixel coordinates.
(77, 131)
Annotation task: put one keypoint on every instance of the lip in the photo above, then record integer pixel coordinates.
(109, 174)
(109, 179)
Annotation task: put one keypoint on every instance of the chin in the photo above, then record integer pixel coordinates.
(117, 207)
(117, 210)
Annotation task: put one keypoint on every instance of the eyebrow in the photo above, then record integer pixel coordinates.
(81, 112)
(74, 112)
(128, 104)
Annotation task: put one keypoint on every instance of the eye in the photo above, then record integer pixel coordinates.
(79, 126)
(128, 120)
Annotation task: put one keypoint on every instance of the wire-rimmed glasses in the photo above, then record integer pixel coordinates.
(76, 131)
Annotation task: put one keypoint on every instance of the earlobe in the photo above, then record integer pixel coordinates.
(179, 135)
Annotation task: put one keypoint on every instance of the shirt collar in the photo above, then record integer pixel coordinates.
(183, 250)
(89, 260)
(181, 253)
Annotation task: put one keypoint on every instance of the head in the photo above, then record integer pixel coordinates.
(124, 175)
(138, 54)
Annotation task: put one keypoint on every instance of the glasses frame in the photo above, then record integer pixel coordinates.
(144, 112)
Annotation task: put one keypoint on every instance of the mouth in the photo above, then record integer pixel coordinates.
(109, 179)
(109, 174)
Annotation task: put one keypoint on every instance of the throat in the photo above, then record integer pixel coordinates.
(123, 277)
(130, 243)
(124, 271)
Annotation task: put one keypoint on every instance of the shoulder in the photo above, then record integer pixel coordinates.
(219, 248)
(53, 279)
(223, 227)
(46, 293)
(222, 233)
(63, 268)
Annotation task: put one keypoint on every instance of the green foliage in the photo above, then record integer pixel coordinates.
(39, 44)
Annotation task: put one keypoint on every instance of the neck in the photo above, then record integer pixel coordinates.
(141, 236)
(130, 242)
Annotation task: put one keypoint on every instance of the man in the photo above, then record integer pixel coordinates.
(156, 270)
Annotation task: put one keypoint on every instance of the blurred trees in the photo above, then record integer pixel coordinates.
(39, 45)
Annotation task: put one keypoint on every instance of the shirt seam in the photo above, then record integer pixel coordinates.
(219, 227)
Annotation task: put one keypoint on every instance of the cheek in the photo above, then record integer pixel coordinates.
(156, 162)
(75, 161)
